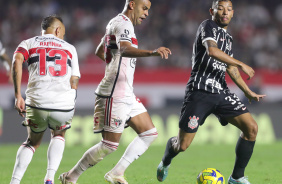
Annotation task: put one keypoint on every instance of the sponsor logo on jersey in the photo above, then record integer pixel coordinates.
(40, 39)
(193, 123)
(133, 62)
(217, 65)
(126, 31)
(214, 33)
(214, 83)
(244, 108)
(203, 33)
(229, 45)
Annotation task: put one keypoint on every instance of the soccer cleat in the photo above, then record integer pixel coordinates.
(63, 179)
(243, 180)
(162, 171)
(114, 179)
(48, 182)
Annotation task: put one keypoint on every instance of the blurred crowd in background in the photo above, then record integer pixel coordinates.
(256, 28)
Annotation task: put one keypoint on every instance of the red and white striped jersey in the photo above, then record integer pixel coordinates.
(119, 73)
(51, 63)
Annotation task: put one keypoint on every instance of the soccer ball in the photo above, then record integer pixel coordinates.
(210, 176)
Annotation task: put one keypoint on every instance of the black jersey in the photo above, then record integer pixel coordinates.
(207, 73)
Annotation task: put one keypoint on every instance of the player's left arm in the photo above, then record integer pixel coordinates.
(18, 60)
(100, 51)
(74, 82)
(235, 75)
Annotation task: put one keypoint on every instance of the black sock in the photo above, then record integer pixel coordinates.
(244, 151)
(169, 152)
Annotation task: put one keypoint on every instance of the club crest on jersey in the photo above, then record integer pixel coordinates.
(193, 123)
(117, 122)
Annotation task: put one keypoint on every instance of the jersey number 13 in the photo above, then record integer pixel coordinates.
(60, 67)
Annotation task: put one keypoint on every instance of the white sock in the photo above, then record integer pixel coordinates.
(134, 150)
(15, 181)
(23, 158)
(91, 157)
(54, 156)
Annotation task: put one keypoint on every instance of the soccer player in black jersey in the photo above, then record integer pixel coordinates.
(207, 93)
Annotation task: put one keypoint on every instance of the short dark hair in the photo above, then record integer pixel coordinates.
(215, 2)
(47, 21)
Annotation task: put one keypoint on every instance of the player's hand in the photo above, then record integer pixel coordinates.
(253, 96)
(20, 106)
(162, 51)
(248, 70)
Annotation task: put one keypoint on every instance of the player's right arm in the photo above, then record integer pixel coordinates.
(100, 50)
(17, 64)
(214, 52)
(128, 51)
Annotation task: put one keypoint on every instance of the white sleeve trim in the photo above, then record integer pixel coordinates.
(209, 38)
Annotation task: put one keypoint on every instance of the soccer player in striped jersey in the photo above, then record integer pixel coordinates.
(116, 103)
(207, 93)
(50, 94)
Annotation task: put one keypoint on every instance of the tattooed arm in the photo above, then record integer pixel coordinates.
(74, 82)
(18, 60)
(214, 52)
(234, 73)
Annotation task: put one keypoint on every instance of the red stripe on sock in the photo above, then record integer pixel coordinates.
(59, 137)
(155, 133)
(110, 145)
(29, 147)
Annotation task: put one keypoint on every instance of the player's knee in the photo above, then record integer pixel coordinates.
(34, 144)
(149, 136)
(108, 147)
(253, 131)
(28, 145)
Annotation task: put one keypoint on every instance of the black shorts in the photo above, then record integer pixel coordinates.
(198, 105)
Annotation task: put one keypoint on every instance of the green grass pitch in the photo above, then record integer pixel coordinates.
(265, 166)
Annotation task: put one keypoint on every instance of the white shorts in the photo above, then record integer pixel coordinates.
(111, 116)
(39, 119)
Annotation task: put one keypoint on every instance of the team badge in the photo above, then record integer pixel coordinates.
(117, 122)
(193, 123)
